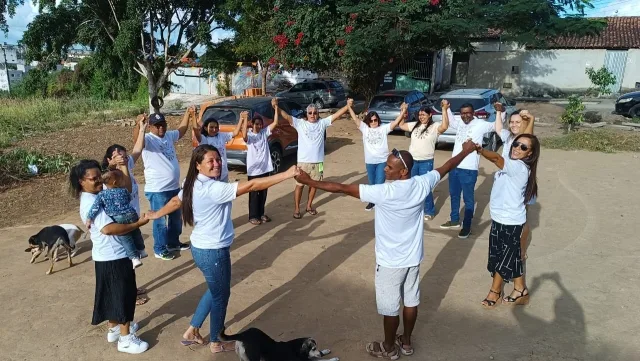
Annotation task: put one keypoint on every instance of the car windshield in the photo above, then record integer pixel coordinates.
(386, 102)
(456, 103)
(335, 85)
(224, 115)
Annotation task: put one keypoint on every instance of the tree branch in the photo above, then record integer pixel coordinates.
(113, 10)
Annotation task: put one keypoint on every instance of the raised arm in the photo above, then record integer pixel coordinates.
(445, 116)
(493, 157)
(404, 126)
(348, 189)
(468, 147)
(276, 116)
(403, 111)
(259, 184)
(138, 146)
(244, 116)
(117, 229)
(342, 111)
(197, 132)
(283, 114)
(355, 118)
(528, 120)
(499, 109)
(127, 176)
(184, 124)
(238, 127)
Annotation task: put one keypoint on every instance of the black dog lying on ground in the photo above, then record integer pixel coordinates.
(255, 345)
(51, 238)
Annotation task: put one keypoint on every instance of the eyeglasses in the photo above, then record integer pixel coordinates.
(522, 146)
(396, 153)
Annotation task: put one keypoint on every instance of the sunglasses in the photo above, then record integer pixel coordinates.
(312, 113)
(160, 125)
(522, 146)
(375, 120)
(396, 153)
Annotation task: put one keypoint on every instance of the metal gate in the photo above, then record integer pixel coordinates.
(615, 62)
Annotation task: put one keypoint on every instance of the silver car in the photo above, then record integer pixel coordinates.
(321, 92)
(482, 101)
(387, 104)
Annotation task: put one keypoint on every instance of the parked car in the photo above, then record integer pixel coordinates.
(321, 92)
(283, 140)
(387, 104)
(628, 104)
(482, 101)
(359, 101)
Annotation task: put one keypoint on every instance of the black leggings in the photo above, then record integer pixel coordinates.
(257, 200)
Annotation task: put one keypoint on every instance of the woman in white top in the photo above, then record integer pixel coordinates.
(259, 164)
(374, 139)
(206, 205)
(520, 122)
(513, 187)
(424, 136)
(210, 134)
(115, 292)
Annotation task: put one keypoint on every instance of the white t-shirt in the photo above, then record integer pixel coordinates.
(258, 156)
(376, 149)
(399, 216)
(507, 140)
(220, 141)
(311, 139)
(212, 225)
(476, 129)
(507, 195)
(135, 198)
(105, 248)
(423, 145)
(161, 168)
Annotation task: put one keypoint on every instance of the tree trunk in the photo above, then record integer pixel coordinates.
(265, 70)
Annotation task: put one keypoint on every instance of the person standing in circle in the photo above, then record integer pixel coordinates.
(374, 140)
(424, 137)
(514, 186)
(206, 205)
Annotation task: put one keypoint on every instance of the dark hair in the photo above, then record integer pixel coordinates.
(77, 172)
(467, 105)
(532, 162)
(253, 121)
(109, 153)
(192, 174)
(203, 130)
(114, 176)
(408, 158)
(428, 111)
(367, 118)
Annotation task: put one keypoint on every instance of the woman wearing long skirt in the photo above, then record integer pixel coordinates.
(513, 187)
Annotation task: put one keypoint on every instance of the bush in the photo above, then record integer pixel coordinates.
(573, 114)
(15, 165)
(596, 140)
(602, 79)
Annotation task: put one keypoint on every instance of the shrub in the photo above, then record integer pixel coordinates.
(573, 114)
(602, 79)
(15, 165)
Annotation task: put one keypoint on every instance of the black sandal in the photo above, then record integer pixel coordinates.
(490, 303)
(520, 300)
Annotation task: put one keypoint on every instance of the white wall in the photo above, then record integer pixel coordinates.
(12, 54)
(632, 71)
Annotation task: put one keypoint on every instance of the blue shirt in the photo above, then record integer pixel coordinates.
(115, 202)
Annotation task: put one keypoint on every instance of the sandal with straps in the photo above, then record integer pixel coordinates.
(489, 303)
(392, 354)
(520, 300)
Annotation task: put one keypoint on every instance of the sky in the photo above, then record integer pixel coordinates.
(26, 13)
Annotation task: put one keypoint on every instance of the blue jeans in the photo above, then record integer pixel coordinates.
(132, 242)
(375, 173)
(462, 180)
(215, 265)
(165, 233)
(421, 167)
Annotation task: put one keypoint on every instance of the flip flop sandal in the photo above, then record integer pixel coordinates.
(224, 347)
(265, 219)
(193, 342)
(312, 212)
(140, 291)
(391, 355)
(405, 351)
(255, 222)
(297, 215)
(141, 301)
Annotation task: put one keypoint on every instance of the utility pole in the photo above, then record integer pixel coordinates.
(6, 69)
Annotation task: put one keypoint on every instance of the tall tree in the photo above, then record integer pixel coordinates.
(151, 37)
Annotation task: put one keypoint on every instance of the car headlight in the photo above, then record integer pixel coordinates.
(625, 100)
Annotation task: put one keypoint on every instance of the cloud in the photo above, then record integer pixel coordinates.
(623, 8)
(18, 23)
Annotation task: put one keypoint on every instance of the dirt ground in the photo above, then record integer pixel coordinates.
(314, 276)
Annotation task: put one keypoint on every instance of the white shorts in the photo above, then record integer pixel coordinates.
(394, 285)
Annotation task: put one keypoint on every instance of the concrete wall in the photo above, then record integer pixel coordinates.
(632, 71)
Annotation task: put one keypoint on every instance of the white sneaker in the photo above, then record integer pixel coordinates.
(114, 333)
(143, 254)
(136, 262)
(132, 344)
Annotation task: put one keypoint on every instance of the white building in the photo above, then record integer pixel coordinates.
(13, 57)
(557, 69)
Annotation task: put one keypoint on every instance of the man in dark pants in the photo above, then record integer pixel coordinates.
(463, 178)
(399, 230)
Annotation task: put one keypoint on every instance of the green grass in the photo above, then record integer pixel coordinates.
(596, 140)
(25, 117)
(14, 165)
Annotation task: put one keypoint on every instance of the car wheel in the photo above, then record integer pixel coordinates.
(276, 158)
(635, 111)
(494, 142)
(319, 104)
